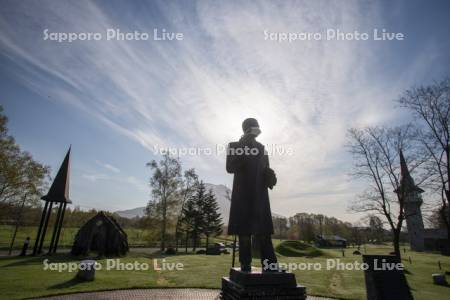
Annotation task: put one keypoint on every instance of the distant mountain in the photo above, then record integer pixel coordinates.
(131, 213)
(275, 215)
(221, 195)
(219, 190)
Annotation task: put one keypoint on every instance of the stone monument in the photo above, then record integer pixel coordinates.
(384, 283)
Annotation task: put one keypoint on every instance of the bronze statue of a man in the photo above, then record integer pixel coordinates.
(250, 208)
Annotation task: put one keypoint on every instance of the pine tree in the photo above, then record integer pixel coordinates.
(189, 183)
(193, 220)
(212, 221)
(187, 222)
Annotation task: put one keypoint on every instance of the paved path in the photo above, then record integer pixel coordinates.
(164, 294)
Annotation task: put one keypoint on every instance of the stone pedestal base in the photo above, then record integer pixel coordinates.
(439, 279)
(385, 284)
(87, 270)
(258, 285)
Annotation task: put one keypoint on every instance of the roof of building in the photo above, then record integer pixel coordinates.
(406, 181)
(331, 237)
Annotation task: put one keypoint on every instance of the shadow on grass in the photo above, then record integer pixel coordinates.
(34, 260)
(446, 285)
(18, 261)
(159, 254)
(66, 284)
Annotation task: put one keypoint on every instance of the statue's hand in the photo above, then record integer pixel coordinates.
(247, 139)
(270, 178)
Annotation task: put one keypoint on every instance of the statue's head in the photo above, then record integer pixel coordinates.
(251, 126)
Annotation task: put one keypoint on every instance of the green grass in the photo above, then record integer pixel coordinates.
(298, 249)
(136, 237)
(25, 277)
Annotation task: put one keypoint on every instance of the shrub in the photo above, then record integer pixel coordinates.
(171, 251)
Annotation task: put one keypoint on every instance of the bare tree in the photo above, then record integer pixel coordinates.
(376, 158)
(374, 228)
(431, 104)
(280, 225)
(165, 182)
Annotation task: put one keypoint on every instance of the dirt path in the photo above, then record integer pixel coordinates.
(179, 294)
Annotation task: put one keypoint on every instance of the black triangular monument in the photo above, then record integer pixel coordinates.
(58, 194)
(59, 190)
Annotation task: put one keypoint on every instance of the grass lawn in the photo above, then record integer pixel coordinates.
(136, 237)
(25, 277)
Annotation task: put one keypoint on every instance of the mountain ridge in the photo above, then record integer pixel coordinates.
(219, 190)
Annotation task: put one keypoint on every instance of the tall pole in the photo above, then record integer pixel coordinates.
(59, 227)
(41, 242)
(234, 252)
(44, 214)
(55, 228)
(19, 218)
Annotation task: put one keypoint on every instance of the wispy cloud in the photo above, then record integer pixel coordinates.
(137, 183)
(130, 181)
(95, 177)
(108, 167)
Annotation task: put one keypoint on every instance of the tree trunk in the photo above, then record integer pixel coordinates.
(397, 243)
(194, 241)
(207, 242)
(445, 216)
(447, 193)
(448, 239)
(186, 242)
(176, 239)
(19, 217)
(177, 226)
(163, 230)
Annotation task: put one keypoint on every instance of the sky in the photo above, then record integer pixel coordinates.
(117, 102)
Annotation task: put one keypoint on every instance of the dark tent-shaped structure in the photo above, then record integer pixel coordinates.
(101, 234)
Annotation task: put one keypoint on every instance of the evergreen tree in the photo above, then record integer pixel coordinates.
(212, 221)
(187, 221)
(193, 220)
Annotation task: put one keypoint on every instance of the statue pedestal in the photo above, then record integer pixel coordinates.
(383, 282)
(261, 285)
